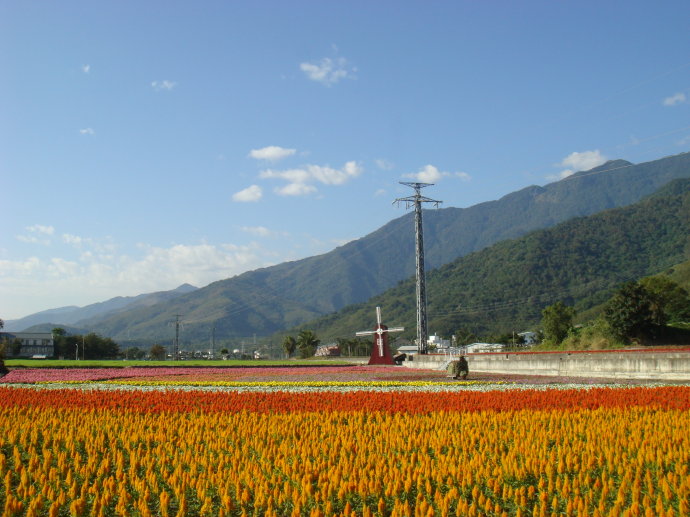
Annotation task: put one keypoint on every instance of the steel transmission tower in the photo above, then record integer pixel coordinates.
(417, 200)
(176, 343)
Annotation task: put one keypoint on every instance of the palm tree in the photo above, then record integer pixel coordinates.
(289, 345)
(307, 342)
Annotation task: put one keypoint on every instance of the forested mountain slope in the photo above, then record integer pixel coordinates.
(504, 287)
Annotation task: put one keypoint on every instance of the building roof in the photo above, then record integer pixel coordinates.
(28, 335)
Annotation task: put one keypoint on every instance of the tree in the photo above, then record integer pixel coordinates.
(90, 346)
(630, 312)
(3, 345)
(670, 302)
(307, 342)
(556, 322)
(59, 341)
(157, 352)
(16, 346)
(351, 346)
(464, 336)
(134, 352)
(289, 345)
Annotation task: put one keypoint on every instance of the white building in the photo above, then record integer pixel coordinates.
(530, 338)
(478, 348)
(438, 343)
(29, 344)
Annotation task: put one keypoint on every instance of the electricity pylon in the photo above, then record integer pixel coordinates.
(416, 201)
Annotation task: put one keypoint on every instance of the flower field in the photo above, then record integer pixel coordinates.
(210, 375)
(600, 451)
(285, 376)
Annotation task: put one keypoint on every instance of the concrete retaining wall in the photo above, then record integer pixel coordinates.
(659, 365)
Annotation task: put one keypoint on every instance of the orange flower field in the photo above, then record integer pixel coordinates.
(602, 451)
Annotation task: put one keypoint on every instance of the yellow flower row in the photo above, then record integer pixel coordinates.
(107, 462)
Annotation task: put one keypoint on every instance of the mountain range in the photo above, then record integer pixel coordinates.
(71, 316)
(504, 287)
(272, 299)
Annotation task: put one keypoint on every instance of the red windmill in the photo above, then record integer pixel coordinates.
(380, 353)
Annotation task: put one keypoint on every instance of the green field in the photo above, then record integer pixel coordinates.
(235, 363)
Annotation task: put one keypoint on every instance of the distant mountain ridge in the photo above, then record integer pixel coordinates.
(504, 287)
(73, 315)
(267, 300)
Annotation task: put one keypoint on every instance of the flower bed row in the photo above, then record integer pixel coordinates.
(590, 452)
(162, 401)
(35, 375)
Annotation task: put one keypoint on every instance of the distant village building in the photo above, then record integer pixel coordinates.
(478, 348)
(530, 338)
(408, 349)
(329, 350)
(438, 343)
(28, 344)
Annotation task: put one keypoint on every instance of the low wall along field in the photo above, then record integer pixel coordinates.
(653, 365)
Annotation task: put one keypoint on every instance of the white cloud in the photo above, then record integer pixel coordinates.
(40, 228)
(272, 153)
(250, 194)
(86, 68)
(300, 180)
(75, 240)
(384, 164)
(196, 264)
(684, 141)
(14, 269)
(431, 174)
(163, 85)
(58, 267)
(87, 131)
(579, 162)
(58, 281)
(328, 71)
(331, 176)
(31, 239)
(291, 175)
(295, 189)
(678, 98)
(101, 270)
(260, 231)
(37, 234)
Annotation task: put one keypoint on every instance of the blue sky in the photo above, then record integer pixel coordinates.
(148, 144)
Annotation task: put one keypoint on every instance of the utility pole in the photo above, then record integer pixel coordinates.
(416, 200)
(213, 342)
(176, 343)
